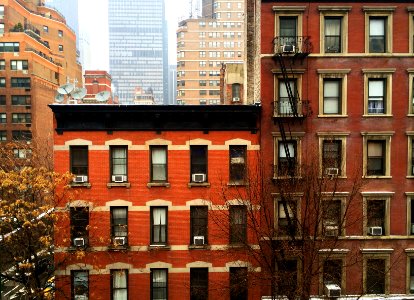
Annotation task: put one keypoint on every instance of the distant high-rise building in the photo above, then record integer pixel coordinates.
(172, 84)
(138, 48)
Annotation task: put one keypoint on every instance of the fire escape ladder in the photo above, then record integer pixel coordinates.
(293, 96)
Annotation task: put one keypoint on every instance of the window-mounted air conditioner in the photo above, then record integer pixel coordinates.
(119, 178)
(237, 160)
(79, 242)
(119, 240)
(198, 240)
(331, 230)
(80, 179)
(375, 230)
(16, 53)
(236, 99)
(25, 72)
(332, 290)
(288, 48)
(331, 171)
(198, 177)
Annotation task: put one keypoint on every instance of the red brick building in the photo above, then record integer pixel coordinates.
(148, 219)
(337, 80)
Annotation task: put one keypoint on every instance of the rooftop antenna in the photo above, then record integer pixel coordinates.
(191, 8)
(102, 96)
(70, 92)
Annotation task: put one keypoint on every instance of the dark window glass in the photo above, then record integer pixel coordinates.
(3, 135)
(19, 65)
(332, 271)
(287, 31)
(238, 224)
(80, 285)
(22, 118)
(79, 160)
(199, 222)
(411, 280)
(331, 155)
(2, 64)
(2, 99)
(238, 284)
(377, 35)
(376, 214)
(198, 283)
(375, 276)
(79, 222)
(20, 82)
(2, 82)
(9, 47)
(158, 164)
(287, 218)
(288, 276)
(159, 284)
(235, 90)
(333, 34)
(21, 100)
(331, 212)
(159, 225)
(287, 98)
(287, 159)
(376, 157)
(198, 161)
(21, 135)
(119, 221)
(238, 164)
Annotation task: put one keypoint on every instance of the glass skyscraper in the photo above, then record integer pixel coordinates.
(138, 48)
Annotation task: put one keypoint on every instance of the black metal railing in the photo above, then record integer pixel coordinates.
(292, 44)
(283, 108)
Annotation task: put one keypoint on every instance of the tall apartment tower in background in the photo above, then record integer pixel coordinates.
(138, 48)
(37, 55)
(204, 45)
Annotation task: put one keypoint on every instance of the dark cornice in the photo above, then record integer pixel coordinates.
(90, 117)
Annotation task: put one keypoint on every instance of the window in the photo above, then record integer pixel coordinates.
(376, 221)
(80, 284)
(376, 157)
(286, 217)
(2, 64)
(79, 223)
(3, 118)
(21, 100)
(202, 73)
(202, 102)
(411, 274)
(2, 82)
(410, 208)
(238, 224)
(376, 96)
(203, 83)
(60, 33)
(159, 284)
(235, 91)
(3, 135)
(288, 30)
(2, 99)
(287, 158)
(238, 284)
(411, 155)
(158, 163)
(287, 94)
(45, 28)
(376, 151)
(331, 218)
(21, 118)
(198, 166)
(333, 34)
(332, 272)
(119, 165)
(22, 153)
(79, 160)
(375, 276)
(1, 12)
(198, 283)
(411, 89)
(119, 225)
(9, 47)
(332, 157)
(19, 65)
(21, 135)
(159, 225)
(199, 225)
(332, 97)
(202, 92)
(20, 82)
(202, 54)
(60, 48)
(377, 35)
(288, 276)
(119, 284)
(238, 164)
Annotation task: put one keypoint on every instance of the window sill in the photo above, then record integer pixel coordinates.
(74, 248)
(377, 116)
(118, 248)
(237, 183)
(410, 176)
(158, 184)
(377, 176)
(194, 184)
(159, 247)
(199, 247)
(236, 245)
(85, 184)
(118, 184)
(332, 116)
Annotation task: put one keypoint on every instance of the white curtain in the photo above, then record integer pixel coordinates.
(333, 27)
(376, 27)
(331, 97)
(282, 152)
(159, 162)
(374, 150)
(159, 216)
(120, 285)
(119, 161)
(119, 216)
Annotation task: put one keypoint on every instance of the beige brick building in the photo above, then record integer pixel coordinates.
(203, 45)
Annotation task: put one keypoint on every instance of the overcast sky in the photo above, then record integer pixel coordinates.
(93, 20)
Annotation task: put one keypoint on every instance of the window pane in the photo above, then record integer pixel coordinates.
(238, 224)
(159, 163)
(198, 284)
(119, 285)
(79, 160)
(159, 225)
(199, 222)
(198, 159)
(119, 160)
(331, 97)
(332, 35)
(159, 284)
(119, 221)
(377, 27)
(80, 285)
(375, 281)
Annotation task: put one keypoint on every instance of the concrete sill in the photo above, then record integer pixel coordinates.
(194, 184)
(237, 184)
(159, 247)
(73, 248)
(158, 184)
(199, 247)
(118, 248)
(118, 184)
(84, 185)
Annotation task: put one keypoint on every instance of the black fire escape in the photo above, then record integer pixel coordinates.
(290, 108)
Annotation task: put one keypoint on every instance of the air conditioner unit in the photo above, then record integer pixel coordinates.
(199, 177)
(79, 242)
(16, 53)
(25, 72)
(236, 99)
(199, 240)
(288, 48)
(331, 230)
(80, 179)
(375, 230)
(332, 290)
(119, 178)
(332, 171)
(119, 240)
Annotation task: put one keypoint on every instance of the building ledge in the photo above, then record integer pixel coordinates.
(199, 247)
(84, 185)
(240, 183)
(118, 184)
(158, 184)
(118, 248)
(159, 247)
(194, 184)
